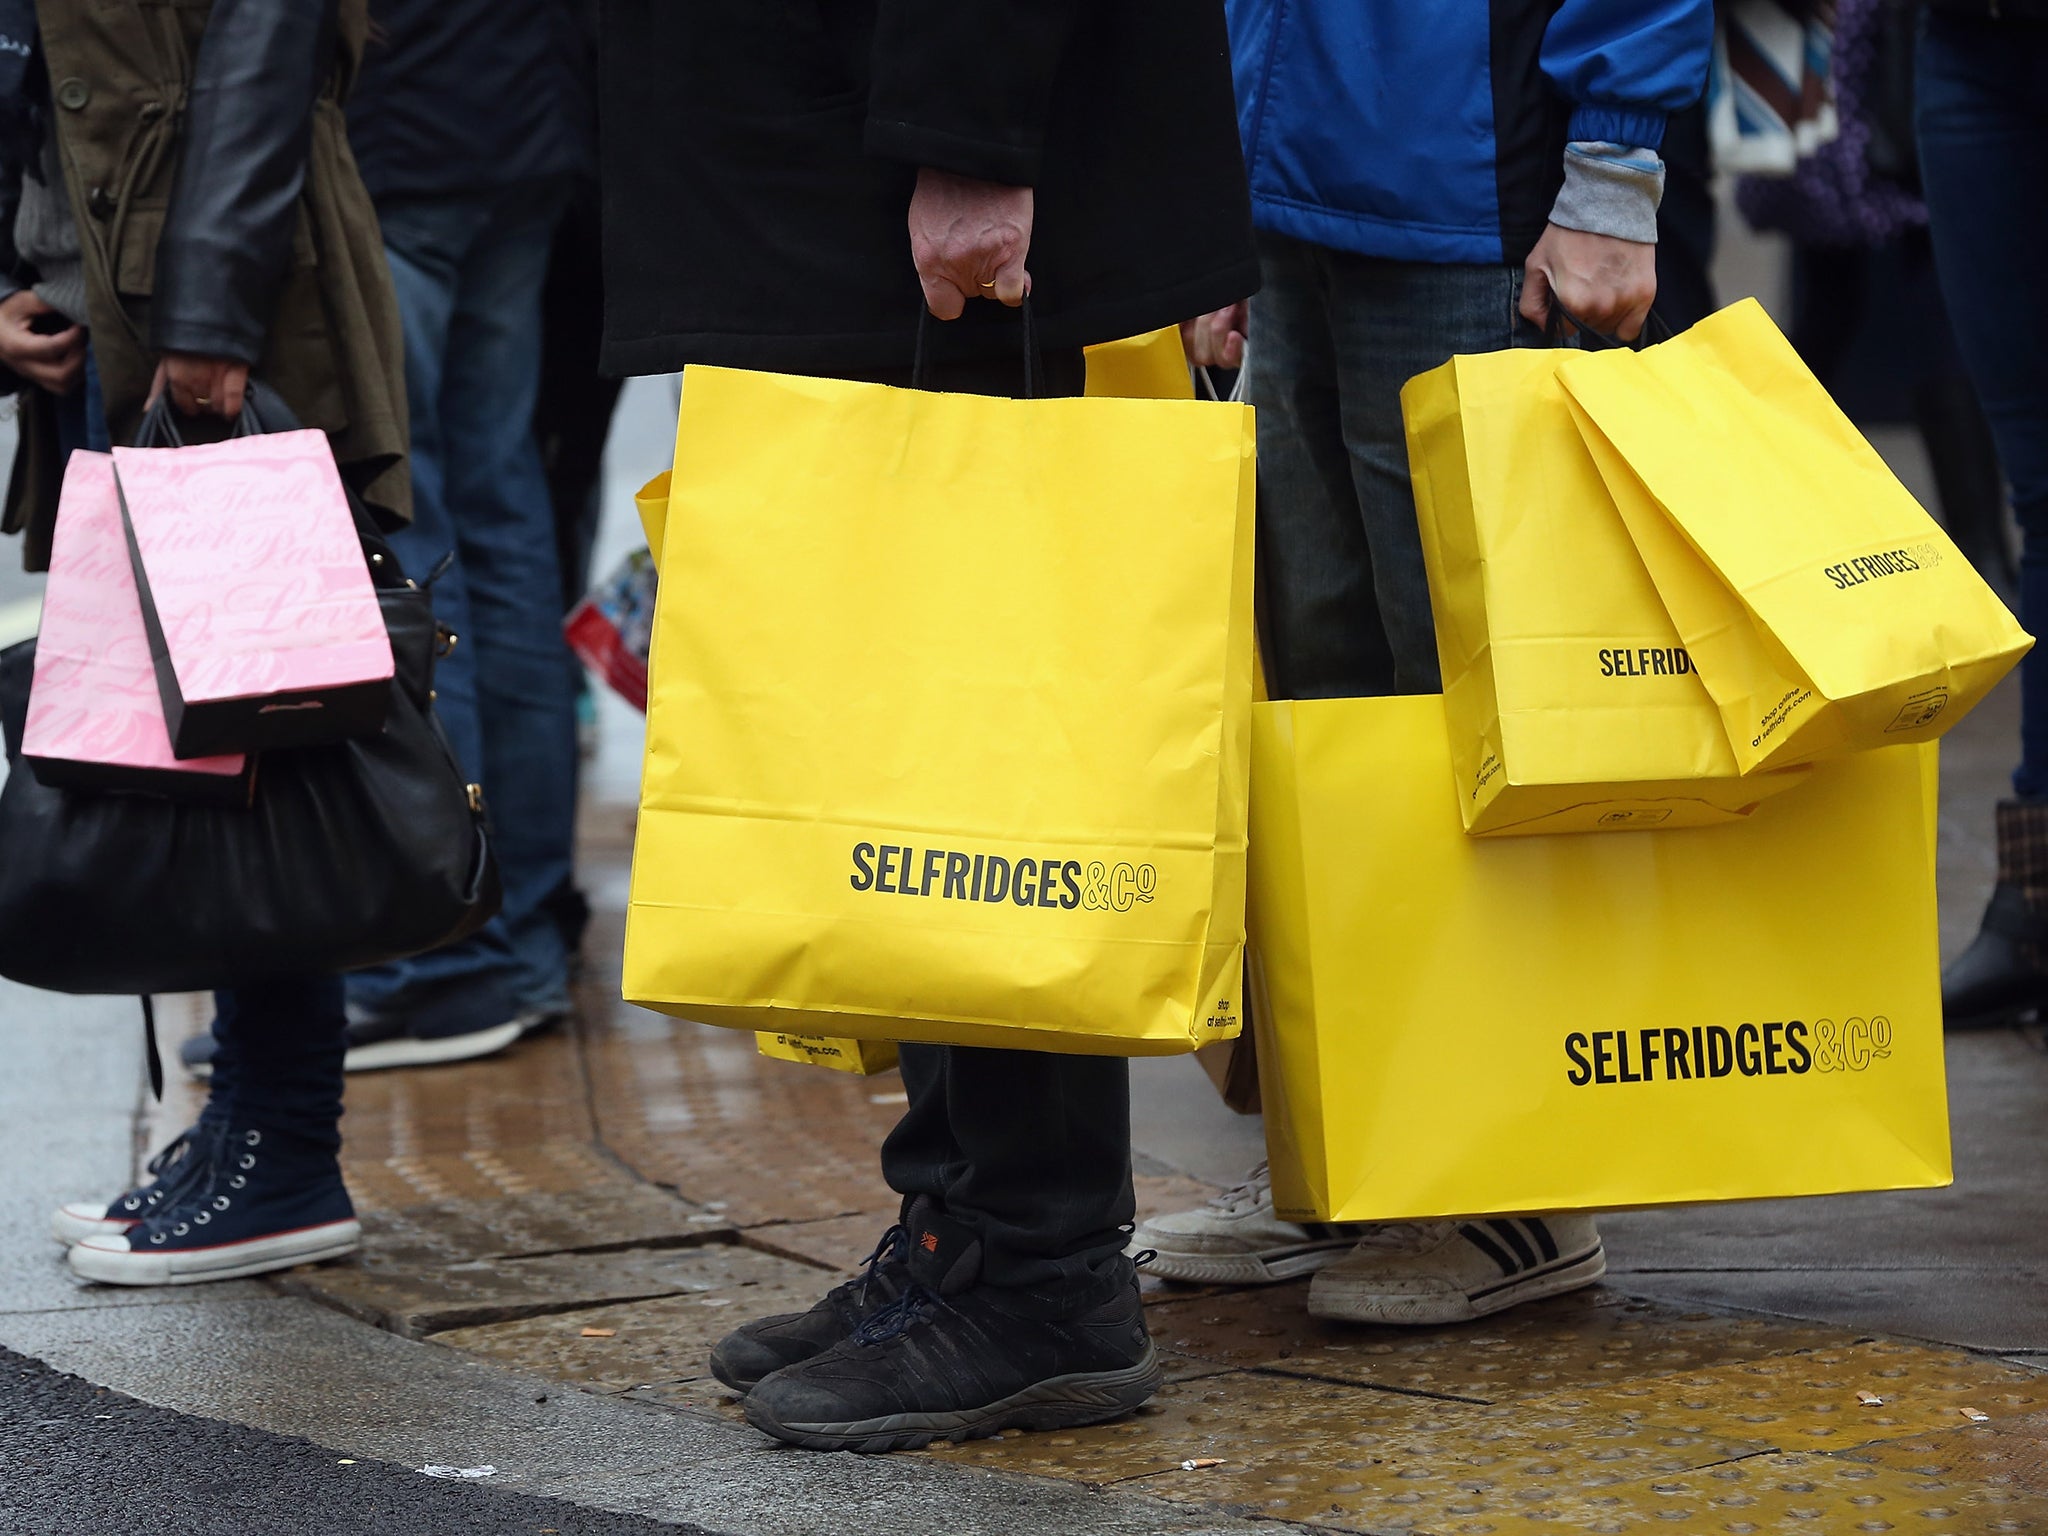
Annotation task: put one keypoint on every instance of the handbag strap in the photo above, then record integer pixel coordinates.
(920, 358)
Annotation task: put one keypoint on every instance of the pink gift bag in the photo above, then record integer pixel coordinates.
(95, 720)
(262, 621)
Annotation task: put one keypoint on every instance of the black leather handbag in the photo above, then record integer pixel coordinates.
(351, 854)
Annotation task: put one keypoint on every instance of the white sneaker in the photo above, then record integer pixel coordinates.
(1237, 1240)
(1427, 1273)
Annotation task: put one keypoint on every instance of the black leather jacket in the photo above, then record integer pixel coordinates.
(227, 240)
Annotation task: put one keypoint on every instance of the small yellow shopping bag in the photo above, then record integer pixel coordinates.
(1450, 1025)
(1572, 704)
(862, 1058)
(1149, 367)
(948, 718)
(1825, 610)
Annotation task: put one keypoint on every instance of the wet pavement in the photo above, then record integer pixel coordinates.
(557, 1235)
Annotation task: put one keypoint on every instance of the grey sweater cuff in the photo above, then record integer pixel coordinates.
(1610, 189)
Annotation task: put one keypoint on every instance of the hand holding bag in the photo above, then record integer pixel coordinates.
(350, 854)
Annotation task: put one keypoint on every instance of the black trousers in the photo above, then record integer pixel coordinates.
(1029, 1150)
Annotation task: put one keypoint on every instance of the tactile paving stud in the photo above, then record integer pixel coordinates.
(1815, 1400)
(2006, 1453)
(1351, 1457)
(1768, 1495)
(1583, 1339)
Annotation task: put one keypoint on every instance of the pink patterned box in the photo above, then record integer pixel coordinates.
(263, 623)
(95, 720)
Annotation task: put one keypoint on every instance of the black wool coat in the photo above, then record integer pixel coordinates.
(759, 155)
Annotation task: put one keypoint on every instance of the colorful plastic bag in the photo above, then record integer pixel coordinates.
(612, 629)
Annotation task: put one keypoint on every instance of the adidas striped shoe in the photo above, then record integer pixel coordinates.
(1428, 1273)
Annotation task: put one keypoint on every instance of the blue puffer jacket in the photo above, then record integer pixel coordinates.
(1434, 130)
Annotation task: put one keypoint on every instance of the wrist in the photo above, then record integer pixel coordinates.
(1610, 189)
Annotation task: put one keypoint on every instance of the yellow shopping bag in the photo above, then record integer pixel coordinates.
(1149, 367)
(1450, 1025)
(1825, 610)
(651, 501)
(947, 726)
(863, 1058)
(1572, 705)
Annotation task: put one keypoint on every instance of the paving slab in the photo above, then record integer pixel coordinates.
(667, 1339)
(418, 1301)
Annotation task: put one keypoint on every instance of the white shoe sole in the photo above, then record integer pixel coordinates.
(1336, 1299)
(71, 1225)
(229, 1261)
(1241, 1268)
(408, 1052)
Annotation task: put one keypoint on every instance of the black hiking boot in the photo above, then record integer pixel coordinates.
(953, 1359)
(2003, 975)
(767, 1344)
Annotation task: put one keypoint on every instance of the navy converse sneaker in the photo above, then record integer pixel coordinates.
(953, 1359)
(169, 1172)
(766, 1345)
(257, 1204)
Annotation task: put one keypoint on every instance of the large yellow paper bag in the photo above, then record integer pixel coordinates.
(1451, 1025)
(1572, 704)
(948, 714)
(1825, 610)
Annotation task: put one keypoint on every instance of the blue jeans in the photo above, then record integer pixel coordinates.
(1345, 601)
(469, 273)
(82, 414)
(1983, 127)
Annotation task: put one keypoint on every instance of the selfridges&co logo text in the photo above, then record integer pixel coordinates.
(1025, 881)
(1785, 1048)
(1886, 562)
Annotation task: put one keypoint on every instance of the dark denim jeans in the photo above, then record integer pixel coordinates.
(1983, 124)
(1345, 602)
(469, 273)
(277, 1063)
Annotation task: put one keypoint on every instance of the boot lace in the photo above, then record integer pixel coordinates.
(898, 1317)
(175, 1169)
(892, 1245)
